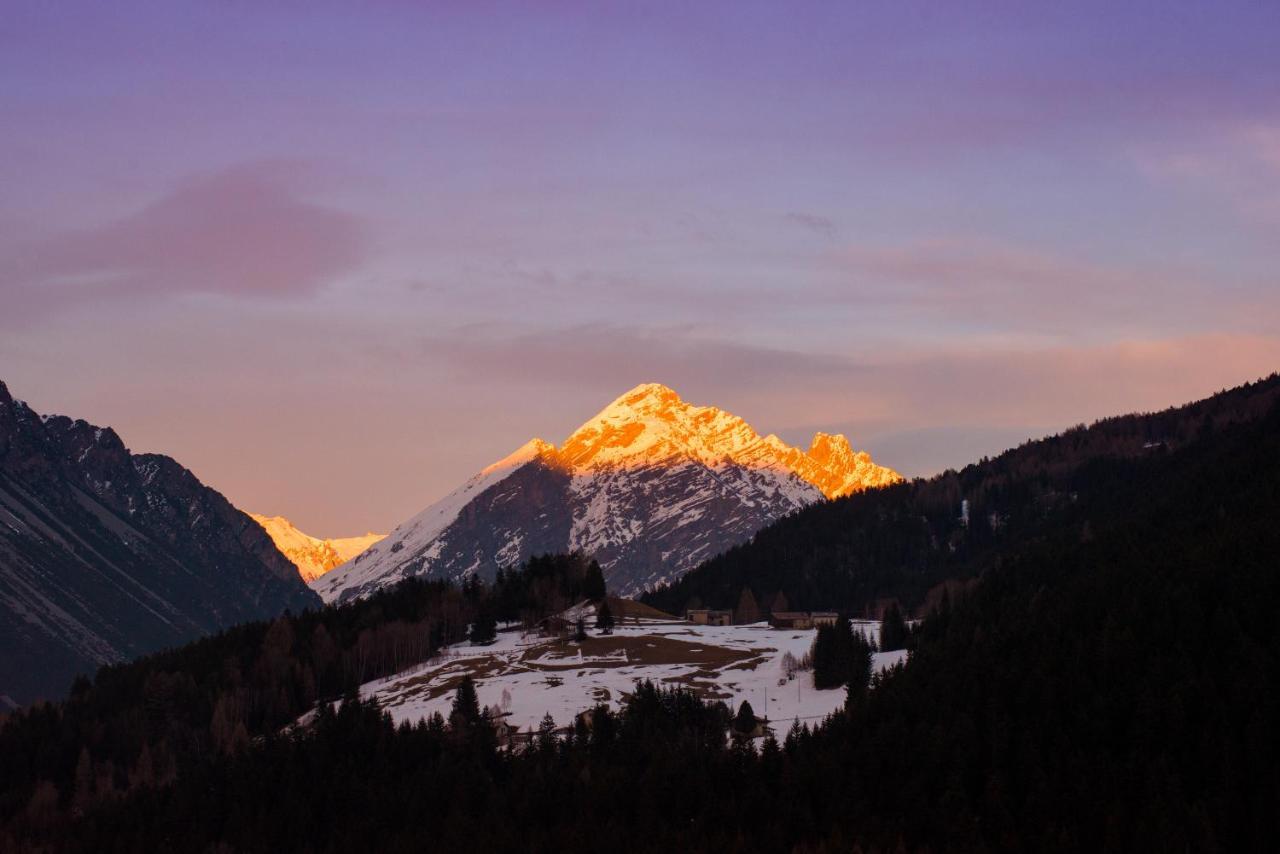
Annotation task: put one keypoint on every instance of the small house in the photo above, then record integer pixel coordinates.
(503, 731)
(709, 617)
(555, 626)
(759, 729)
(586, 718)
(790, 620)
(802, 619)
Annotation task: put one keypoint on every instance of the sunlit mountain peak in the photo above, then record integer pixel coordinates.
(313, 556)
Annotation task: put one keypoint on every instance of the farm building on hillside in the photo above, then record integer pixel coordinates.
(759, 729)
(504, 733)
(802, 619)
(556, 625)
(709, 617)
(586, 719)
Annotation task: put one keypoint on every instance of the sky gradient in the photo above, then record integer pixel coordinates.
(336, 259)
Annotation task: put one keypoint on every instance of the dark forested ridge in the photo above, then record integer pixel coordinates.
(910, 541)
(1109, 684)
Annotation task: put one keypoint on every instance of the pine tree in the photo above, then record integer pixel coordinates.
(745, 721)
(593, 586)
(546, 732)
(859, 672)
(604, 618)
(747, 611)
(893, 629)
(484, 628)
(466, 705)
(580, 631)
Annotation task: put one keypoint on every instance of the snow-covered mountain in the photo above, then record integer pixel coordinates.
(311, 555)
(651, 486)
(106, 555)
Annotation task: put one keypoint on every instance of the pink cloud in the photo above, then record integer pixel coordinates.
(244, 232)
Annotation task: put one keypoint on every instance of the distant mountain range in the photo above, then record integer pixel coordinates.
(313, 556)
(650, 487)
(106, 555)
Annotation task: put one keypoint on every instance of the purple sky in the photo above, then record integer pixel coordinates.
(337, 257)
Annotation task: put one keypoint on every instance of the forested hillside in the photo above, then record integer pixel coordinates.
(1110, 684)
(911, 540)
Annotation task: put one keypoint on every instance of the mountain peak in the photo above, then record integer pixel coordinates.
(827, 447)
(646, 397)
(651, 390)
(313, 556)
(650, 485)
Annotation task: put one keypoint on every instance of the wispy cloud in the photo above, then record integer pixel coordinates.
(964, 384)
(249, 231)
(1237, 164)
(1010, 288)
(820, 225)
(614, 356)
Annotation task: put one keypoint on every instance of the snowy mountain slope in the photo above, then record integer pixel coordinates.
(650, 486)
(311, 555)
(528, 676)
(106, 555)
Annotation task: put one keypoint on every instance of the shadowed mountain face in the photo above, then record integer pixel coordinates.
(106, 555)
(650, 487)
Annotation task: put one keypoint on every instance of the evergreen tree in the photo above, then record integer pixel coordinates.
(484, 628)
(546, 732)
(466, 705)
(779, 603)
(833, 655)
(593, 586)
(893, 629)
(745, 721)
(604, 618)
(580, 630)
(747, 611)
(859, 672)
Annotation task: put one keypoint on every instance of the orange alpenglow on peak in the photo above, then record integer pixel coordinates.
(650, 486)
(651, 426)
(313, 556)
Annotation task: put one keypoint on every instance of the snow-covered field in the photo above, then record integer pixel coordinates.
(530, 676)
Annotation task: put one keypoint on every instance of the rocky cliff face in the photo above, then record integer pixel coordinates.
(106, 555)
(650, 487)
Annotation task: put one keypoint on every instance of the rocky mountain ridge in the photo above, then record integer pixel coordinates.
(650, 486)
(106, 555)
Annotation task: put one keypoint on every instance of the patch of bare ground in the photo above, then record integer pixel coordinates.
(425, 687)
(645, 650)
